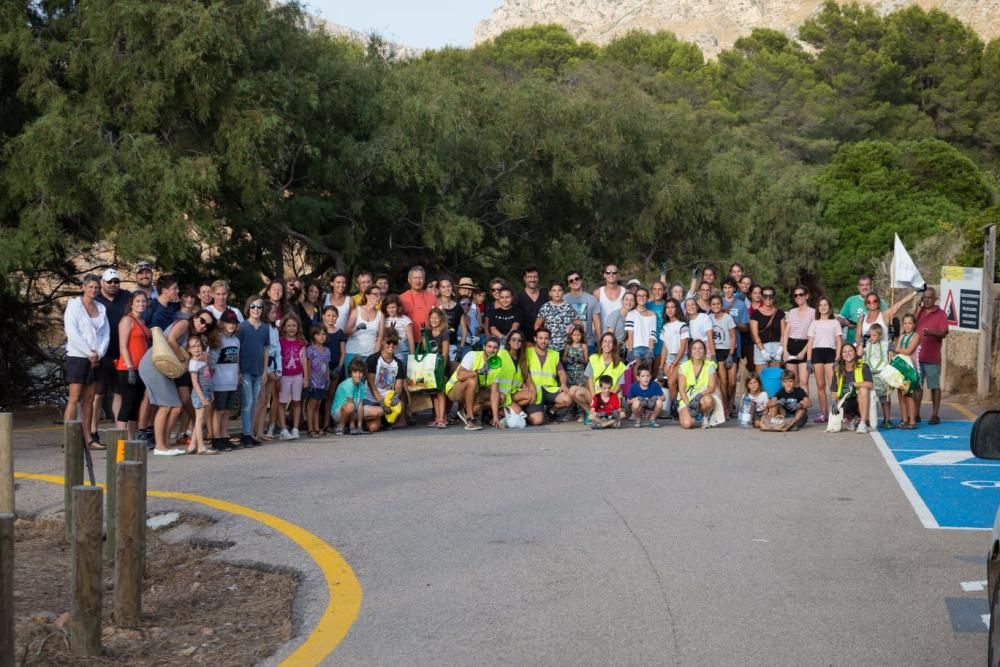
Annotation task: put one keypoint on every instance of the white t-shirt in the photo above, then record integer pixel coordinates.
(824, 333)
(673, 333)
(720, 331)
(226, 363)
(399, 323)
(643, 328)
(700, 327)
(759, 401)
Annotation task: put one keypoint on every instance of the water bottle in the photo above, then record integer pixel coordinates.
(746, 412)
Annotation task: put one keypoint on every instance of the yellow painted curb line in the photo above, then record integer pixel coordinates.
(344, 588)
(966, 412)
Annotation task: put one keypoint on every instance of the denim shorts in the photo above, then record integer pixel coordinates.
(196, 402)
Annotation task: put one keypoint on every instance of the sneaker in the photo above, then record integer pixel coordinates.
(595, 427)
(704, 423)
(246, 441)
(222, 445)
(285, 435)
(862, 428)
(295, 434)
(471, 425)
(168, 452)
(820, 419)
(886, 425)
(465, 420)
(652, 424)
(269, 433)
(356, 430)
(339, 430)
(933, 421)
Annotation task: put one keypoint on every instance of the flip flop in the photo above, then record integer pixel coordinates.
(95, 446)
(208, 451)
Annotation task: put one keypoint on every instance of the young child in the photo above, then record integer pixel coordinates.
(348, 409)
(757, 397)
(645, 397)
(438, 322)
(574, 361)
(605, 408)
(225, 361)
(479, 305)
(790, 402)
(335, 342)
(318, 362)
(294, 369)
(877, 357)
(201, 395)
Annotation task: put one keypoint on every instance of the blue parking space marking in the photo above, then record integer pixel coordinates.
(947, 486)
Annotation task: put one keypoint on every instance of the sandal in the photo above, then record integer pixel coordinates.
(208, 451)
(95, 446)
(192, 450)
(442, 423)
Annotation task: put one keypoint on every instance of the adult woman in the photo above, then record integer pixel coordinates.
(309, 310)
(640, 328)
(765, 329)
(609, 295)
(615, 322)
(697, 385)
(875, 315)
(724, 339)
(557, 316)
(700, 326)
(852, 380)
(795, 334)
(339, 297)
(458, 321)
(823, 350)
(514, 380)
(675, 335)
(606, 361)
(133, 341)
(364, 328)
(88, 335)
(403, 325)
(164, 392)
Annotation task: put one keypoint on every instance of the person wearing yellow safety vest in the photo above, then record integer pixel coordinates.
(469, 385)
(697, 386)
(512, 387)
(607, 361)
(549, 379)
(852, 379)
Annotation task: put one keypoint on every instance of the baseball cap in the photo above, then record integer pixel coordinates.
(110, 274)
(229, 316)
(633, 283)
(143, 266)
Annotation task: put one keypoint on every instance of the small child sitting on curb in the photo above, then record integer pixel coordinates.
(790, 402)
(645, 397)
(605, 408)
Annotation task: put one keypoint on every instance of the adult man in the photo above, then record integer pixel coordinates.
(609, 295)
(220, 301)
(470, 386)
(587, 307)
(387, 371)
(549, 378)
(144, 283)
(254, 337)
(382, 283)
(363, 280)
(932, 325)
(115, 303)
(854, 309)
(417, 301)
(529, 301)
(163, 309)
(633, 285)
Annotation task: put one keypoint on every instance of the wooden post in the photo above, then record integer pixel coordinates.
(135, 450)
(111, 437)
(131, 545)
(6, 463)
(73, 476)
(7, 589)
(85, 612)
(986, 313)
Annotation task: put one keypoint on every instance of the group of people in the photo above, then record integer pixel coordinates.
(299, 357)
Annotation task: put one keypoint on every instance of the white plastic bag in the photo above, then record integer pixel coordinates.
(514, 419)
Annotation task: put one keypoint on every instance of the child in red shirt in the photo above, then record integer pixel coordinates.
(605, 408)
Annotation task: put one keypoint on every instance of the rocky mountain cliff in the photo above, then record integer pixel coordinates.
(712, 24)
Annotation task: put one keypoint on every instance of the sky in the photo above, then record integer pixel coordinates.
(429, 24)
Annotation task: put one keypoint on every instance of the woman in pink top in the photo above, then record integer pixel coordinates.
(825, 337)
(795, 334)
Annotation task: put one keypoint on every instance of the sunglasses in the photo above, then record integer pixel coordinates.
(389, 343)
(798, 294)
(575, 279)
(115, 282)
(205, 323)
(767, 296)
(256, 306)
(611, 273)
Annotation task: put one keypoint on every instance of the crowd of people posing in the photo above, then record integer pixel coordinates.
(297, 357)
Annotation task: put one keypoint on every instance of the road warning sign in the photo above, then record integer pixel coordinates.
(961, 289)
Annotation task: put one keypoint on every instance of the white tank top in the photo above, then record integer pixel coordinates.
(362, 341)
(607, 305)
(866, 325)
(343, 309)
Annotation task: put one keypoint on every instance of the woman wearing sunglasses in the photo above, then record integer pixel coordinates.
(795, 334)
(765, 328)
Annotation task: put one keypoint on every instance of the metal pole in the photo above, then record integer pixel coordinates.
(85, 613)
(986, 313)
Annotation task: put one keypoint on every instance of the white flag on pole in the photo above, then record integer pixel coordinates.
(904, 271)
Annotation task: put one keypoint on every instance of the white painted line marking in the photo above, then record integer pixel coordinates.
(923, 512)
(969, 586)
(982, 484)
(944, 457)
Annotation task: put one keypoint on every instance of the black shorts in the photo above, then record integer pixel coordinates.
(107, 377)
(824, 355)
(79, 371)
(548, 400)
(795, 345)
(722, 355)
(184, 381)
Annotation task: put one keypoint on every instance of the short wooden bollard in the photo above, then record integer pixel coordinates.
(131, 547)
(85, 611)
(7, 589)
(73, 474)
(135, 450)
(6, 463)
(111, 437)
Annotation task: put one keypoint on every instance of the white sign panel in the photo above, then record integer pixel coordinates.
(961, 296)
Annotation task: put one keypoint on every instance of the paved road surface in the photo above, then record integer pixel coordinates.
(565, 546)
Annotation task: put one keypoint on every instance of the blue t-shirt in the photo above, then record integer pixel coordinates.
(333, 341)
(657, 309)
(160, 315)
(253, 342)
(652, 391)
(741, 315)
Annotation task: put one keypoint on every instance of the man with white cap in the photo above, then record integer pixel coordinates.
(115, 302)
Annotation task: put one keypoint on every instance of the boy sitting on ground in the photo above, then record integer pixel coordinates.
(645, 397)
(790, 402)
(605, 408)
